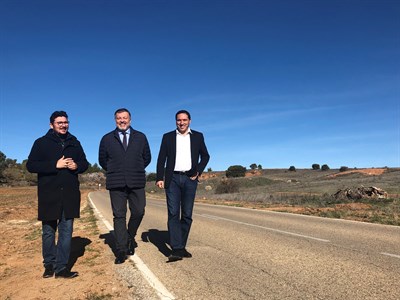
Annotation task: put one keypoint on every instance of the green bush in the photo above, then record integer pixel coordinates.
(235, 171)
(253, 166)
(227, 186)
(292, 169)
(343, 169)
(325, 167)
(151, 177)
(315, 167)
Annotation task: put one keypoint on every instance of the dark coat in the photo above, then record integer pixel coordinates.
(167, 155)
(58, 189)
(124, 168)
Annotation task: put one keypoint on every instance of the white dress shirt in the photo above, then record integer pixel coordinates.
(121, 136)
(183, 160)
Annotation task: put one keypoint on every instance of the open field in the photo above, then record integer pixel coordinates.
(308, 192)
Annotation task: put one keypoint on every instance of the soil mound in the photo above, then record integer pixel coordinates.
(361, 193)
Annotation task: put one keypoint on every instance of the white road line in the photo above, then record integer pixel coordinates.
(152, 279)
(389, 254)
(263, 227)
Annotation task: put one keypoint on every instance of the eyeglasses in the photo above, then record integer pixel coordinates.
(62, 123)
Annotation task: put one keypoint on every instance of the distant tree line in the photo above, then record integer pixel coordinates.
(317, 167)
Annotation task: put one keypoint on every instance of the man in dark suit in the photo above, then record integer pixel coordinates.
(124, 153)
(182, 158)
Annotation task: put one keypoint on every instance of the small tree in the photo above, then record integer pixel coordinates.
(292, 169)
(253, 166)
(325, 168)
(151, 177)
(209, 170)
(259, 167)
(93, 168)
(343, 169)
(235, 171)
(315, 167)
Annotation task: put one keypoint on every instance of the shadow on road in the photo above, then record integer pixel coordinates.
(160, 239)
(78, 245)
(109, 239)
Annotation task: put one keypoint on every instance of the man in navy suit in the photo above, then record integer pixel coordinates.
(124, 153)
(182, 158)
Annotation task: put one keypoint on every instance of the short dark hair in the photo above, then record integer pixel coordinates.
(121, 110)
(56, 114)
(182, 111)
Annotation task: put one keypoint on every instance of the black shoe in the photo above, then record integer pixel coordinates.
(175, 256)
(185, 253)
(48, 271)
(131, 247)
(121, 257)
(66, 274)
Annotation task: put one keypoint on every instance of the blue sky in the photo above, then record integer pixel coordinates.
(276, 83)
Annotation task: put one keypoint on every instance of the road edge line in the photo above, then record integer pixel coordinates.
(152, 279)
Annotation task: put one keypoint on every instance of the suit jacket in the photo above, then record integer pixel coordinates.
(167, 156)
(124, 168)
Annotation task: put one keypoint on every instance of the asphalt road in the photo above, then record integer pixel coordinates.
(249, 254)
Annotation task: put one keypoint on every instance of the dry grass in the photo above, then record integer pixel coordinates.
(307, 191)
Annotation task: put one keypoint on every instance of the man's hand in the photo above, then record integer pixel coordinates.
(195, 176)
(160, 184)
(64, 163)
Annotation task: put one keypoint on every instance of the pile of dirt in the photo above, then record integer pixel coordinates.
(207, 175)
(361, 193)
(368, 172)
(253, 173)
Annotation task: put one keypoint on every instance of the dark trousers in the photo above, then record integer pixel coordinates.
(136, 199)
(180, 201)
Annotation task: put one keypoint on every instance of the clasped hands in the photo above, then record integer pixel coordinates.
(66, 163)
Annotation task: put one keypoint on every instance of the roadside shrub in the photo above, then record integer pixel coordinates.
(343, 169)
(235, 171)
(93, 169)
(325, 167)
(292, 169)
(151, 177)
(227, 186)
(315, 167)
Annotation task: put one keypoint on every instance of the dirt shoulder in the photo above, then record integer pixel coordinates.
(21, 264)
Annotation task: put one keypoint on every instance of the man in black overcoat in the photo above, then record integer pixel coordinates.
(57, 158)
